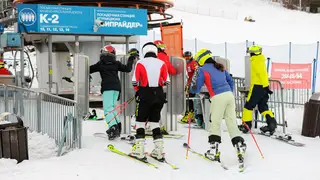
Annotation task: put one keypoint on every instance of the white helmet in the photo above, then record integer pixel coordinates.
(149, 47)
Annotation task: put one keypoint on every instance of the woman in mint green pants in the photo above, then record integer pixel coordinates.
(108, 67)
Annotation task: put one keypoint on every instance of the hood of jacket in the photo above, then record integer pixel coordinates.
(107, 59)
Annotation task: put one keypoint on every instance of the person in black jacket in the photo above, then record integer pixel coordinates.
(108, 67)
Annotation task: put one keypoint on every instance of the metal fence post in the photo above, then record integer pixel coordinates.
(195, 45)
(79, 123)
(293, 91)
(314, 75)
(315, 64)
(6, 109)
(39, 96)
(225, 49)
(268, 64)
(282, 108)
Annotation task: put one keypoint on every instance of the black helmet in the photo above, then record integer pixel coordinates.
(187, 55)
(133, 51)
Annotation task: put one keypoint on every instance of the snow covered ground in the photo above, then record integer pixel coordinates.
(95, 162)
(274, 26)
(40, 146)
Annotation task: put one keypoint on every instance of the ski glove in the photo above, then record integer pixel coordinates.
(67, 79)
(267, 89)
(27, 79)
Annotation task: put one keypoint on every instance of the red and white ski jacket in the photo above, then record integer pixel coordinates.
(165, 58)
(150, 72)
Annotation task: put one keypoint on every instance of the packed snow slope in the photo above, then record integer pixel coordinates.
(95, 162)
(274, 24)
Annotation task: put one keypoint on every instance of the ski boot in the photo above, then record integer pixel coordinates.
(243, 128)
(241, 147)
(119, 128)
(199, 120)
(93, 116)
(185, 118)
(113, 132)
(137, 150)
(157, 153)
(271, 126)
(213, 153)
(163, 131)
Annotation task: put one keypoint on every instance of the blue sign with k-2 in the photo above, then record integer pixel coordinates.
(54, 19)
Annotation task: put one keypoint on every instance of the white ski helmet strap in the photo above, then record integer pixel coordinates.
(149, 48)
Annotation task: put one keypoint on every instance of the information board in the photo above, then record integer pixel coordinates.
(292, 76)
(54, 19)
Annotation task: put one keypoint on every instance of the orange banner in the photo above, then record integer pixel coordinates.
(171, 35)
(292, 76)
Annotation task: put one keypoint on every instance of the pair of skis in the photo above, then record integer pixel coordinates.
(130, 139)
(144, 161)
(240, 158)
(283, 138)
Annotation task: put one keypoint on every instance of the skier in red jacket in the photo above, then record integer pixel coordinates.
(4, 70)
(162, 55)
(191, 67)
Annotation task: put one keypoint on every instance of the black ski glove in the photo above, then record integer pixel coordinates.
(267, 89)
(67, 79)
(27, 79)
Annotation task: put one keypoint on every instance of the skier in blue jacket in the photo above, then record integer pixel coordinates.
(220, 87)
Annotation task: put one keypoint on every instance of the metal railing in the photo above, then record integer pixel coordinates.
(276, 103)
(44, 113)
(296, 95)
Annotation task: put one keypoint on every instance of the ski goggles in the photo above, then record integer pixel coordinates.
(161, 46)
(187, 57)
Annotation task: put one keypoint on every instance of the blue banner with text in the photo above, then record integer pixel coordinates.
(54, 19)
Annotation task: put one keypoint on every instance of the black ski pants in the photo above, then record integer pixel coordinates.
(257, 96)
(150, 101)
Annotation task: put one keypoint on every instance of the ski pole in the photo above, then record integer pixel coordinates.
(189, 130)
(254, 139)
(119, 106)
(126, 104)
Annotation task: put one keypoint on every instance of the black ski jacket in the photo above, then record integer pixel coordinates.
(108, 67)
